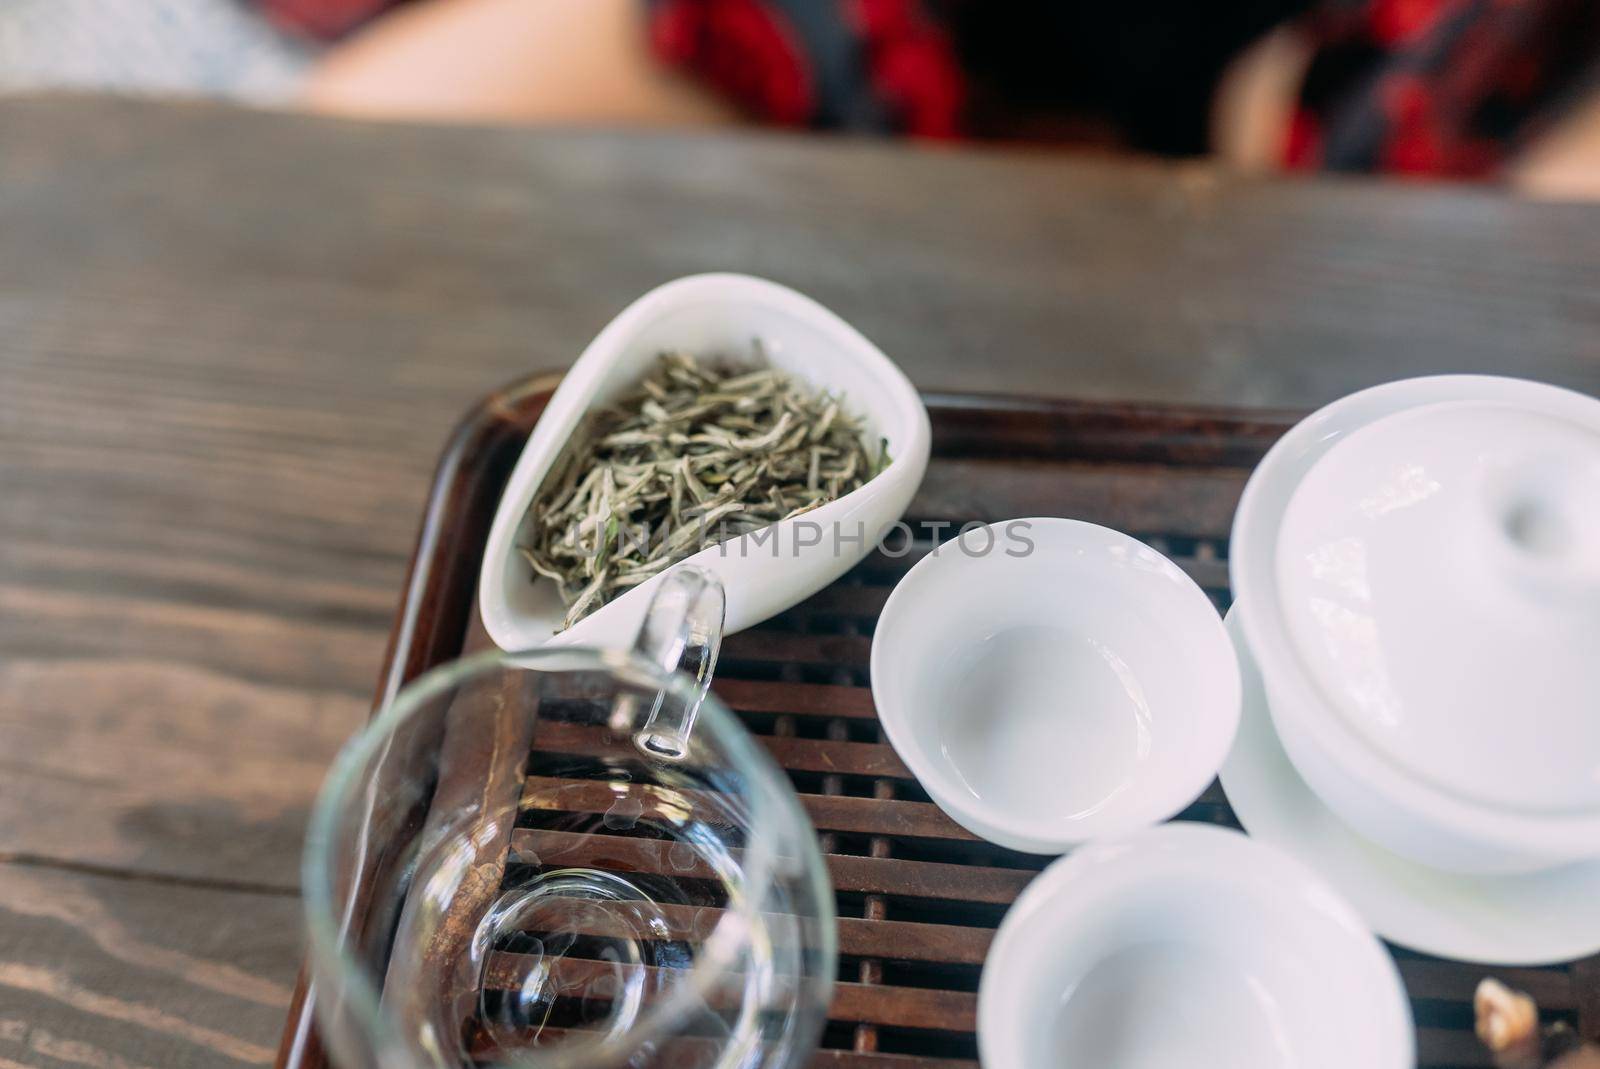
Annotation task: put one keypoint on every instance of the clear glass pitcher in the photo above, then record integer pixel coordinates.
(568, 858)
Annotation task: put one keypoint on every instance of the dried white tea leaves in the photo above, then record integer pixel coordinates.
(701, 453)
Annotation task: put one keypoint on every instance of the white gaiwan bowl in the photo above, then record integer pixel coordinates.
(714, 315)
(1067, 684)
(1417, 573)
(1188, 945)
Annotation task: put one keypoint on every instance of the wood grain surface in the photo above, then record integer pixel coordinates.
(232, 345)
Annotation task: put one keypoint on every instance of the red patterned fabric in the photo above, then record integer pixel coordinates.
(1437, 87)
(913, 67)
(903, 68)
(742, 48)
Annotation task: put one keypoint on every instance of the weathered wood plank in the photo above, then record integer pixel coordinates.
(151, 764)
(139, 973)
(415, 254)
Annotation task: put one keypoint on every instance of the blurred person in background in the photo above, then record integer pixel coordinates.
(1501, 90)
(1473, 89)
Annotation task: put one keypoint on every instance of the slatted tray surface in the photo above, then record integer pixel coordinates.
(918, 896)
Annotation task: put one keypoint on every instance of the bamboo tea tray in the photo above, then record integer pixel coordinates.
(918, 897)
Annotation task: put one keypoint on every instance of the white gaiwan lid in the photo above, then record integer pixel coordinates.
(1439, 576)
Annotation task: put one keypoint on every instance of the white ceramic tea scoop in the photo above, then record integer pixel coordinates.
(714, 315)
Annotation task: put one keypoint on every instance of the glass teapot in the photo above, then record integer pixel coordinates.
(568, 859)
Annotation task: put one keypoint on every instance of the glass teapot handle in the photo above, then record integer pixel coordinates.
(682, 632)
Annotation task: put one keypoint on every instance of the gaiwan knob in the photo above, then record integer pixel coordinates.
(1542, 504)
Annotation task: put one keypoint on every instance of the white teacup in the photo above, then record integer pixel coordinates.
(1050, 681)
(1188, 945)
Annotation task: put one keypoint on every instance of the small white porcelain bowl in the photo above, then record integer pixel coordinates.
(1188, 945)
(719, 314)
(1049, 681)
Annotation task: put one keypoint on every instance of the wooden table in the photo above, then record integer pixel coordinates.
(231, 345)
